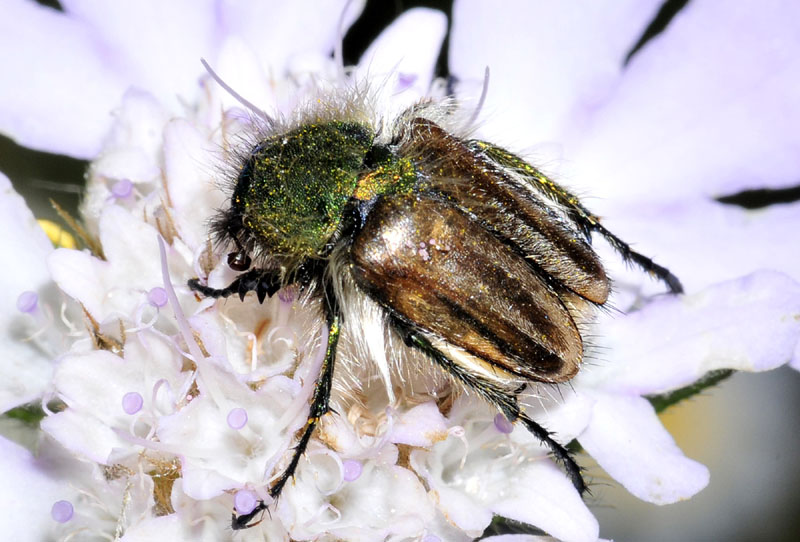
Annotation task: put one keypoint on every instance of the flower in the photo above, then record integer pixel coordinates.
(173, 410)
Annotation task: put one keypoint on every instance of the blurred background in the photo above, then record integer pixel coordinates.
(746, 430)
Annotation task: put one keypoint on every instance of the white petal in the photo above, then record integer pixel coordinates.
(119, 284)
(62, 105)
(25, 368)
(406, 51)
(462, 510)
(541, 495)
(85, 436)
(383, 501)
(549, 61)
(170, 527)
(627, 439)
(421, 426)
(191, 189)
(709, 107)
(217, 457)
(750, 324)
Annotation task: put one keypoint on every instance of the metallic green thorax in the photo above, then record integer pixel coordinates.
(292, 191)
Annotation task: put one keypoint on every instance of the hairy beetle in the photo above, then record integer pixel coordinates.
(474, 257)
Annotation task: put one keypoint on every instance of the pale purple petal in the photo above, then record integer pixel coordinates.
(709, 107)
(750, 324)
(29, 489)
(549, 61)
(271, 28)
(60, 85)
(407, 63)
(25, 368)
(133, 146)
(627, 439)
(704, 242)
(159, 43)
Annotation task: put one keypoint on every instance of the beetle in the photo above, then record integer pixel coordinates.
(475, 258)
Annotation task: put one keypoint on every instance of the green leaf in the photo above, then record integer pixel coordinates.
(662, 401)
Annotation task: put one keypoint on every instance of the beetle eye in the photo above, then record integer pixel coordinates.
(239, 261)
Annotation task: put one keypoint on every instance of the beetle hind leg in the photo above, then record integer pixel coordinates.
(505, 401)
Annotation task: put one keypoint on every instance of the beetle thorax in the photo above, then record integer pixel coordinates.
(291, 192)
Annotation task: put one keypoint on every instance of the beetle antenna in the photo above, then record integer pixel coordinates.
(239, 98)
(484, 91)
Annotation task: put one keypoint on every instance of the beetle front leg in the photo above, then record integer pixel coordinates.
(320, 405)
(263, 281)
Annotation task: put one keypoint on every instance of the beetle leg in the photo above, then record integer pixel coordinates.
(320, 405)
(505, 401)
(585, 220)
(264, 282)
(589, 222)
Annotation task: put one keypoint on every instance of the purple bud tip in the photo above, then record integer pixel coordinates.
(122, 189)
(27, 301)
(244, 501)
(431, 538)
(405, 80)
(352, 470)
(132, 402)
(62, 511)
(237, 418)
(286, 295)
(157, 297)
(502, 424)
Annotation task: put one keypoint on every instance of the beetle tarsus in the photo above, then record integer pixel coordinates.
(264, 282)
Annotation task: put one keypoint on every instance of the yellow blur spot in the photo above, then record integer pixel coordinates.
(57, 235)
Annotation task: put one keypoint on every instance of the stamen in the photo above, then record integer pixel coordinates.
(62, 511)
(405, 81)
(502, 424)
(122, 189)
(351, 470)
(237, 418)
(244, 502)
(27, 302)
(157, 297)
(132, 402)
